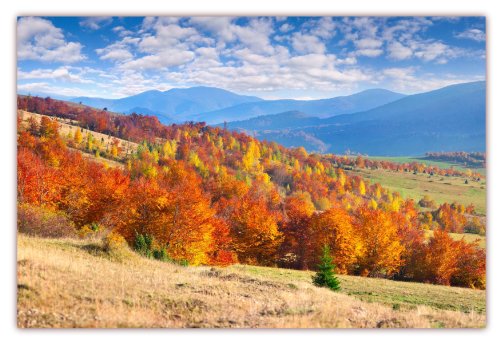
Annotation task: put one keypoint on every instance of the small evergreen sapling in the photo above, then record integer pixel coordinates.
(325, 276)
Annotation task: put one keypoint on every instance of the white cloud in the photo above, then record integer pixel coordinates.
(369, 47)
(368, 43)
(370, 52)
(165, 38)
(400, 73)
(61, 73)
(398, 51)
(114, 55)
(95, 23)
(220, 27)
(324, 28)
(38, 39)
(474, 34)
(239, 54)
(404, 80)
(255, 35)
(121, 31)
(286, 27)
(165, 59)
(436, 51)
(305, 43)
(118, 51)
(44, 87)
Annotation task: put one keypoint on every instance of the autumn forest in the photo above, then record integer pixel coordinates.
(201, 195)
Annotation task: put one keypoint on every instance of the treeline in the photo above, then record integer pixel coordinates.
(415, 167)
(210, 196)
(468, 159)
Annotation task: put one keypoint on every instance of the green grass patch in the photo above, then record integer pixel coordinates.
(439, 164)
(393, 293)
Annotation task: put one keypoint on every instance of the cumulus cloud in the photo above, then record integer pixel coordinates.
(165, 38)
(38, 39)
(437, 51)
(61, 73)
(95, 23)
(118, 51)
(286, 27)
(161, 60)
(114, 54)
(398, 51)
(121, 31)
(252, 54)
(221, 27)
(324, 28)
(474, 34)
(306, 43)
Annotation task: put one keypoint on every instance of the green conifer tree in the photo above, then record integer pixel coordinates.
(325, 276)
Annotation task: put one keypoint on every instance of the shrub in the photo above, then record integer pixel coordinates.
(143, 245)
(161, 255)
(85, 232)
(475, 226)
(117, 248)
(43, 222)
(325, 276)
(428, 202)
(114, 241)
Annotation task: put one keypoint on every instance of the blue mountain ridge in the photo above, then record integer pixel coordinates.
(452, 118)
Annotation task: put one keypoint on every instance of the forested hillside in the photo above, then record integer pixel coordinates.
(207, 196)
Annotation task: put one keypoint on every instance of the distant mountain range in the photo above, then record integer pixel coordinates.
(357, 102)
(452, 118)
(374, 121)
(214, 105)
(174, 105)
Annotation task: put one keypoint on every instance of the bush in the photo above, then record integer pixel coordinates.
(114, 241)
(475, 226)
(143, 244)
(428, 202)
(43, 222)
(117, 248)
(161, 255)
(325, 276)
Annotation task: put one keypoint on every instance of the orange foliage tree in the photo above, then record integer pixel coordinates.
(296, 231)
(254, 230)
(173, 210)
(334, 229)
(380, 248)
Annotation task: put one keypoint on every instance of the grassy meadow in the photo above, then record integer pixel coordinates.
(423, 159)
(440, 188)
(75, 283)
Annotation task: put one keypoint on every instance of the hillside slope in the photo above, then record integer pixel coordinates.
(70, 283)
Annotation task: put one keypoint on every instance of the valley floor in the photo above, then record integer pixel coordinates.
(74, 283)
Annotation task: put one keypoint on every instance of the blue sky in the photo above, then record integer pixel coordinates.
(271, 57)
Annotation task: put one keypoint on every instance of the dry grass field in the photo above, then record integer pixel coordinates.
(75, 283)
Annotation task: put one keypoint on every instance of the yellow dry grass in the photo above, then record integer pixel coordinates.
(71, 283)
